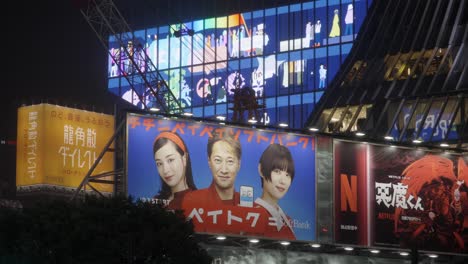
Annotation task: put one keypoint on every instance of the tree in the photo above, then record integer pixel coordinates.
(98, 230)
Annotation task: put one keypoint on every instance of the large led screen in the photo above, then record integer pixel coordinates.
(57, 146)
(228, 180)
(288, 55)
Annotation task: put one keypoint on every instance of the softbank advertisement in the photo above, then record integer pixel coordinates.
(228, 180)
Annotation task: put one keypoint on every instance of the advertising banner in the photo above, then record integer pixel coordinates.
(420, 199)
(228, 180)
(58, 145)
(351, 194)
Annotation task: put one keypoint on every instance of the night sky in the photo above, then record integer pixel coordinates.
(56, 53)
(52, 55)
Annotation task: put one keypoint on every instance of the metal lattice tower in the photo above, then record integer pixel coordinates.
(146, 82)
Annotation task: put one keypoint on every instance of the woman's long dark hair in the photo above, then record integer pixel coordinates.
(165, 191)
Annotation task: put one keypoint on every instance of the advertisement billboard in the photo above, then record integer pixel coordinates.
(228, 180)
(420, 200)
(58, 145)
(351, 193)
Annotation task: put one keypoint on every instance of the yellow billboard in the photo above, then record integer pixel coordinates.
(57, 146)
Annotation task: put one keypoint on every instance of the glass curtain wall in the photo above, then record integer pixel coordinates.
(288, 55)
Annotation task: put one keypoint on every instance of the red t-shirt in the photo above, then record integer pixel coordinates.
(176, 202)
(210, 214)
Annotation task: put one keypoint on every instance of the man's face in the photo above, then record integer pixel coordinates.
(224, 165)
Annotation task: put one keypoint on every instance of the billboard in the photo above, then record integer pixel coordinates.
(400, 197)
(351, 194)
(228, 180)
(58, 145)
(420, 200)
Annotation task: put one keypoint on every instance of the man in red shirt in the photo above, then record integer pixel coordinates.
(224, 159)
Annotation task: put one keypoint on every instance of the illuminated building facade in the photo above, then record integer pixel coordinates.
(406, 79)
(288, 54)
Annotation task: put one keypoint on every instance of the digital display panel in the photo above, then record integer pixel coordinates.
(288, 55)
(246, 182)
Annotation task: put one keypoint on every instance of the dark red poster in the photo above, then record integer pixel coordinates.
(420, 199)
(351, 210)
